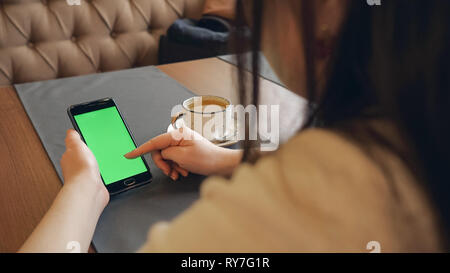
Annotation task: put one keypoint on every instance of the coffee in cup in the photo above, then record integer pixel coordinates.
(206, 115)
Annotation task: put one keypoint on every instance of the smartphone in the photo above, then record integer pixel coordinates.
(104, 130)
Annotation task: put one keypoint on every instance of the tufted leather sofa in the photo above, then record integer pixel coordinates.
(47, 39)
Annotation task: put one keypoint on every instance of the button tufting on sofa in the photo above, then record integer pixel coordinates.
(41, 40)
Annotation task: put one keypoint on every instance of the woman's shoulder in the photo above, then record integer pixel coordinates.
(328, 152)
(320, 141)
(371, 189)
(317, 164)
(324, 160)
(331, 166)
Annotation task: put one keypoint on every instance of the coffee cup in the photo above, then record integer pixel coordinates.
(206, 115)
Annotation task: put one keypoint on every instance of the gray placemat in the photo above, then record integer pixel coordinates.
(145, 97)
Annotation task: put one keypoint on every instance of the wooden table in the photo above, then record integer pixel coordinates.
(29, 182)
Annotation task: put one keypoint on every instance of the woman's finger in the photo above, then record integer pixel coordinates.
(161, 163)
(180, 170)
(174, 174)
(172, 153)
(158, 143)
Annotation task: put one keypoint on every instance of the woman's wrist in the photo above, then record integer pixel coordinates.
(93, 192)
(228, 160)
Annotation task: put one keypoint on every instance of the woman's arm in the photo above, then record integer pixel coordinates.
(71, 218)
(77, 207)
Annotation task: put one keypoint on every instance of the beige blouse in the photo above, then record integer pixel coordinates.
(318, 193)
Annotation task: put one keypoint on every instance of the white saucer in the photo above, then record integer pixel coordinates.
(227, 143)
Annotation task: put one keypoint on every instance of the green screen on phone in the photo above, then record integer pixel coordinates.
(107, 136)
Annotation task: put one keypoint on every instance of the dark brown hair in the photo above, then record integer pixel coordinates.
(392, 62)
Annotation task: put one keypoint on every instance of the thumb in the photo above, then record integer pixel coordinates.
(72, 138)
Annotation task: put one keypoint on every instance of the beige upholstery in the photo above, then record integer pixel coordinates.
(41, 40)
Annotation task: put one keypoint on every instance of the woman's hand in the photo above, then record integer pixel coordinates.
(184, 150)
(80, 168)
(77, 207)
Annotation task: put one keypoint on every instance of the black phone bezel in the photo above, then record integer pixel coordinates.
(121, 185)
